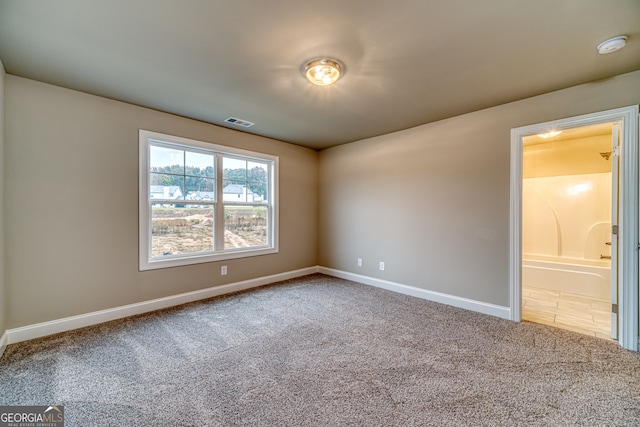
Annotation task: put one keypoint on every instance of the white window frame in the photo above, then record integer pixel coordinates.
(149, 262)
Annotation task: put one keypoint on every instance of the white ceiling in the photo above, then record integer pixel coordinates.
(409, 62)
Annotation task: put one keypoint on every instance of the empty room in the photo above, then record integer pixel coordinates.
(372, 213)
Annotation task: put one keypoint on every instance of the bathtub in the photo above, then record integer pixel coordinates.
(591, 278)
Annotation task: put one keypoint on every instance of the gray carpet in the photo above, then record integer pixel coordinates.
(321, 351)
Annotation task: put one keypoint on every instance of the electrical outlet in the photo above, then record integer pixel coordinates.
(223, 270)
(359, 262)
(381, 265)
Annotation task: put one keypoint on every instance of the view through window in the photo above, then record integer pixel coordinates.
(202, 202)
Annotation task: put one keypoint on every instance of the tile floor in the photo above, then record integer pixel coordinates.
(590, 316)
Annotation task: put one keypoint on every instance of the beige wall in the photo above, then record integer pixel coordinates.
(432, 202)
(72, 205)
(2, 268)
(573, 157)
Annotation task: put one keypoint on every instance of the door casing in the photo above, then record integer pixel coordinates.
(628, 214)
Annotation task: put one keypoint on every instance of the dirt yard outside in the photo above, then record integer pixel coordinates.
(190, 229)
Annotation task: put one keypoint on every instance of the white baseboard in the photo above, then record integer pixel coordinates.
(12, 336)
(38, 330)
(467, 304)
(4, 340)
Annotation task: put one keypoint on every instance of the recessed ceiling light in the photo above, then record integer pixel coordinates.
(323, 71)
(549, 134)
(612, 45)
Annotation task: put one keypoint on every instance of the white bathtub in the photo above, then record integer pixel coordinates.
(590, 278)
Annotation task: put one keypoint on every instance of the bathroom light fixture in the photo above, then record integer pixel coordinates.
(323, 71)
(612, 45)
(549, 134)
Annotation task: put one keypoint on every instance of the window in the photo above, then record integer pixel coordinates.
(202, 202)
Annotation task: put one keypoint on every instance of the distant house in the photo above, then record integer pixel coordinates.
(201, 195)
(166, 192)
(230, 193)
(239, 193)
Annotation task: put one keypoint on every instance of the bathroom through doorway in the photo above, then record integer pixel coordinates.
(616, 231)
(569, 210)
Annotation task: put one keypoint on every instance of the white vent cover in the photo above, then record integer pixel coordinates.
(239, 122)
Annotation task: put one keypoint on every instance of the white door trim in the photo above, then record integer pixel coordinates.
(628, 219)
(615, 204)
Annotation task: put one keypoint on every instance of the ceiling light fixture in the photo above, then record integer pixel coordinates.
(549, 134)
(612, 45)
(323, 71)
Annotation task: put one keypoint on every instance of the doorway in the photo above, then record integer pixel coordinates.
(623, 236)
(569, 205)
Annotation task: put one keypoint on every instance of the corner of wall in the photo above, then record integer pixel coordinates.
(3, 335)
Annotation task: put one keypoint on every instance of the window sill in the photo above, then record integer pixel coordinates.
(184, 260)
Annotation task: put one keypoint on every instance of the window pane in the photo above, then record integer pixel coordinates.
(234, 169)
(259, 168)
(201, 184)
(199, 164)
(234, 191)
(245, 226)
(234, 172)
(203, 190)
(167, 160)
(168, 187)
(179, 229)
(258, 182)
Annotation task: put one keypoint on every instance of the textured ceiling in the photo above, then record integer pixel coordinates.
(409, 62)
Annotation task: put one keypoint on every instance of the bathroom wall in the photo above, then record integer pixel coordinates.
(567, 216)
(567, 197)
(561, 156)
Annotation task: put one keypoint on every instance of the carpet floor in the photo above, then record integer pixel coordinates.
(321, 351)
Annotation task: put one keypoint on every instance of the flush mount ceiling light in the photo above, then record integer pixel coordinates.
(549, 134)
(323, 71)
(612, 45)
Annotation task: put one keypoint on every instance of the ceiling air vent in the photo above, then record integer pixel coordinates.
(239, 122)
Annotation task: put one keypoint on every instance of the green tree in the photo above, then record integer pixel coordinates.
(194, 178)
